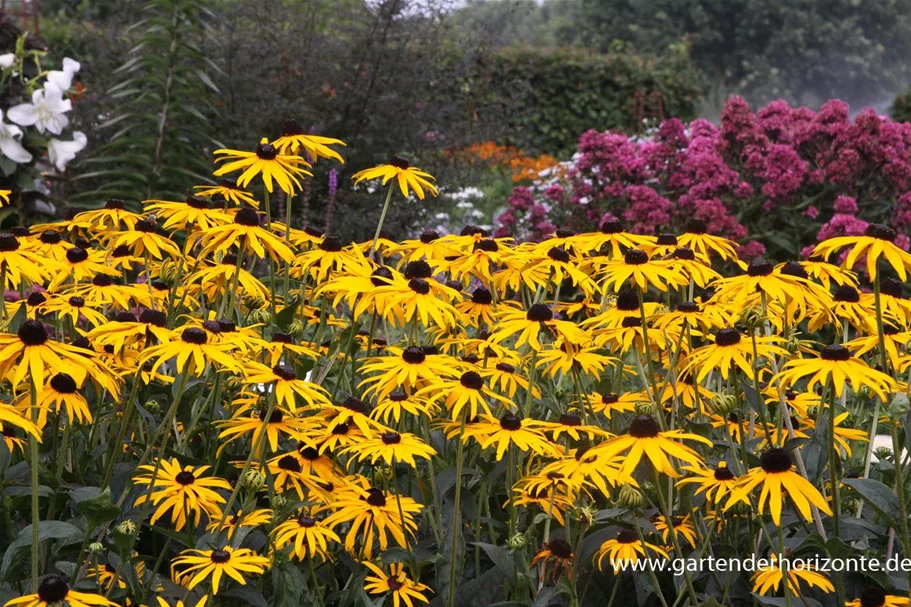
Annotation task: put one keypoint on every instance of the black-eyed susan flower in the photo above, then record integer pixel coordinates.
(142, 240)
(75, 309)
(214, 564)
(771, 577)
(559, 552)
(893, 301)
(31, 352)
(683, 527)
(183, 491)
(240, 519)
(469, 390)
(775, 473)
(127, 331)
(875, 597)
(838, 365)
(419, 299)
(608, 403)
(193, 351)
(307, 536)
(266, 161)
(195, 213)
(636, 268)
(61, 393)
(409, 369)
(245, 233)
(691, 267)
(565, 358)
(612, 235)
(294, 139)
(395, 582)
(227, 189)
(374, 517)
(525, 434)
(530, 325)
(645, 437)
(247, 420)
(730, 350)
(283, 379)
(877, 242)
(80, 265)
(390, 448)
(715, 483)
(624, 550)
(11, 417)
(697, 238)
(22, 267)
(572, 426)
(112, 217)
(407, 177)
(549, 498)
(53, 590)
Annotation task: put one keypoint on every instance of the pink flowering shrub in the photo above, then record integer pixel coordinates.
(776, 180)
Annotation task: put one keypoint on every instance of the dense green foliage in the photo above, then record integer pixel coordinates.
(549, 97)
(805, 52)
(901, 106)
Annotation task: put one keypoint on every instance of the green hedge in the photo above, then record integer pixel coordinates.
(549, 98)
(901, 106)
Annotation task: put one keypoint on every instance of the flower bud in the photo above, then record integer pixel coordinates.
(644, 407)
(261, 316)
(279, 501)
(127, 527)
(753, 317)
(254, 480)
(168, 271)
(560, 393)
(96, 547)
(740, 509)
(297, 327)
(630, 497)
(383, 474)
(883, 453)
(723, 403)
(585, 515)
(152, 406)
(518, 541)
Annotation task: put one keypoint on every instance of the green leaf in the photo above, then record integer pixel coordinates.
(289, 584)
(879, 496)
(47, 530)
(99, 509)
(284, 318)
(500, 557)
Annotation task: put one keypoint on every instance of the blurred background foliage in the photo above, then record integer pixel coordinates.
(167, 81)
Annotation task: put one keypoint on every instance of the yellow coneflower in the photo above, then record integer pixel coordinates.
(294, 139)
(266, 161)
(408, 178)
(226, 561)
(53, 590)
(182, 490)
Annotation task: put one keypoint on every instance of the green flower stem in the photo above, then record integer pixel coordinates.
(36, 500)
(672, 532)
(460, 450)
(379, 226)
(900, 492)
(651, 574)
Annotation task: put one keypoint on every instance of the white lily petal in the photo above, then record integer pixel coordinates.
(25, 114)
(13, 150)
(8, 59)
(61, 153)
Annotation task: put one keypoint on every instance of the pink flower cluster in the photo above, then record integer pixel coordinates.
(780, 170)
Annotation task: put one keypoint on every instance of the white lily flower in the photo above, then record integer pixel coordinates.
(7, 60)
(63, 79)
(62, 152)
(45, 112)
(10, 147)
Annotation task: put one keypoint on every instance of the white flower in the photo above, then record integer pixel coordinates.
(7, 60)
(46, 111)
(64, 79)
(9, 142)
(62, 152)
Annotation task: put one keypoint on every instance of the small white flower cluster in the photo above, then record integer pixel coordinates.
(46, 113)
(464, 211)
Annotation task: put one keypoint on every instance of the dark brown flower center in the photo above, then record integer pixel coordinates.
(724, 474)
(644, 426)
(115, 204)
(880, 232)
(760, 267)
(667, 240)
(380, 277)
(413, 355)
(53, 589)
(793, 268)
(32, 333)
(266, 151)
(289, 463)
(611, 226)
(627, 536)
(505, 368)
(487, 245)
(510, 422)
(76, 255)
(306, 521)
(630, 322)
(558, 254)
(184, 477)
(847, 294)
(399, 162)
(284, 371)
(76, 302)
(835, 352)
(247, 217)
(194, 335)
(696, 226)
(727, 337)
(891, 287)
(429, 236)
(375, 498)
(50, 237)
(627, 300)
(539, 313)
(275, 417)
(220, 556)
(419, 285)
(356, 405)
(391, 438)
(560, 548)
(153, 317)
(688, 307)
(570, 419)
(417, 269)
(775, 461)
(872, 597)
(35, 299)
(197, 202)
(482, 296)
(635, 257)
(471, 380)
(63, 383)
